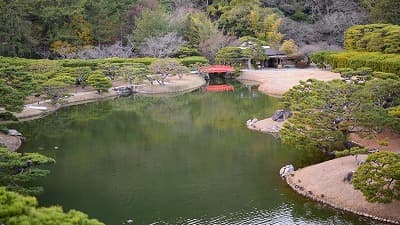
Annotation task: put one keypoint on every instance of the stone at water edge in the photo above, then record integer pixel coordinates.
(286, 170)
(281, 115)
(14, 133)
(251, 122)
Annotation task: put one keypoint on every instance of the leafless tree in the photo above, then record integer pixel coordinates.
(329, 28)
(115, 50)
(318, 46)
(163, 46)
(215, 41)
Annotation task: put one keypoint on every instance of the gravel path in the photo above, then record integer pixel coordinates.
(276, 82)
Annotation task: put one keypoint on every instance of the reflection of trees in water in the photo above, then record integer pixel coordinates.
(164, 114)
(61, 122)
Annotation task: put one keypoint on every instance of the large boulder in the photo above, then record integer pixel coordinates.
(281, 115)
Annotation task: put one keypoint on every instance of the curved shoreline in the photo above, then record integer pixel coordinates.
(180, 86)
(319, 183)
(188, 84)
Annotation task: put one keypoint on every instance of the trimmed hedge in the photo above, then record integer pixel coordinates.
(146, 61)
(378, 62)
(383, 38)
(192, 60)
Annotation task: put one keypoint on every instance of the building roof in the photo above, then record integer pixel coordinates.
(272, 52)
(217, 69)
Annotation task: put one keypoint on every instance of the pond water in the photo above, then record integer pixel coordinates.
(178, 160)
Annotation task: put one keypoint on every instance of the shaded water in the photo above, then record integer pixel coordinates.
(181, 160)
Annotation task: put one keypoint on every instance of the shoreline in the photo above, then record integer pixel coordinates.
(181, 86)
(316, 182)
(187, 84)
(338, 194)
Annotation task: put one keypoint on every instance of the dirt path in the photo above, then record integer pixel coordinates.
(276, 82)
(324, 183)
(386, 140)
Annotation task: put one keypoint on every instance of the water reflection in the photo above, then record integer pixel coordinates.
(183, 160)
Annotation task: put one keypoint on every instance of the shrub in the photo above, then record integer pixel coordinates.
(188, 61)
(186, 51)
(230, 55)
(79, 63)
(383, 38)
(378, 62)
(146, 60)
(8, 116)
(385, 76)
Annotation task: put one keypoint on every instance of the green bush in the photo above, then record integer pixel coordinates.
(378, 62)
(352, 151)
(385, 76)
(79, 63)
(192, 60)
(146, 60)
(186, 51)
(8, 116)
(231, 55)
(383, 38)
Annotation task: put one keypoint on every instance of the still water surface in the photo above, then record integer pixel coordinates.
(179, 160)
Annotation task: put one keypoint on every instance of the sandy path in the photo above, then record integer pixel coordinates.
(276, 82)
(324, 182)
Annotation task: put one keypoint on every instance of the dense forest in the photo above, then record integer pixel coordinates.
(125, 28)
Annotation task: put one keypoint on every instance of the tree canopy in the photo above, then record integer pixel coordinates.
(18, 171)
(379, 177)
(16, 209)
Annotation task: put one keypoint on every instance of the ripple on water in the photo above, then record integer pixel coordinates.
(283, 215)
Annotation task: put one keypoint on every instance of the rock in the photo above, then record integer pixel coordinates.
(281, 115)
(286, 170)
(373, 150)
(124, 90)
(248, 123)
(251, 122)
(348, 177)
(278, 115)
(14, 133)
(338, 120)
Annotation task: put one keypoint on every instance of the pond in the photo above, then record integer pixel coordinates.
(174, 160)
